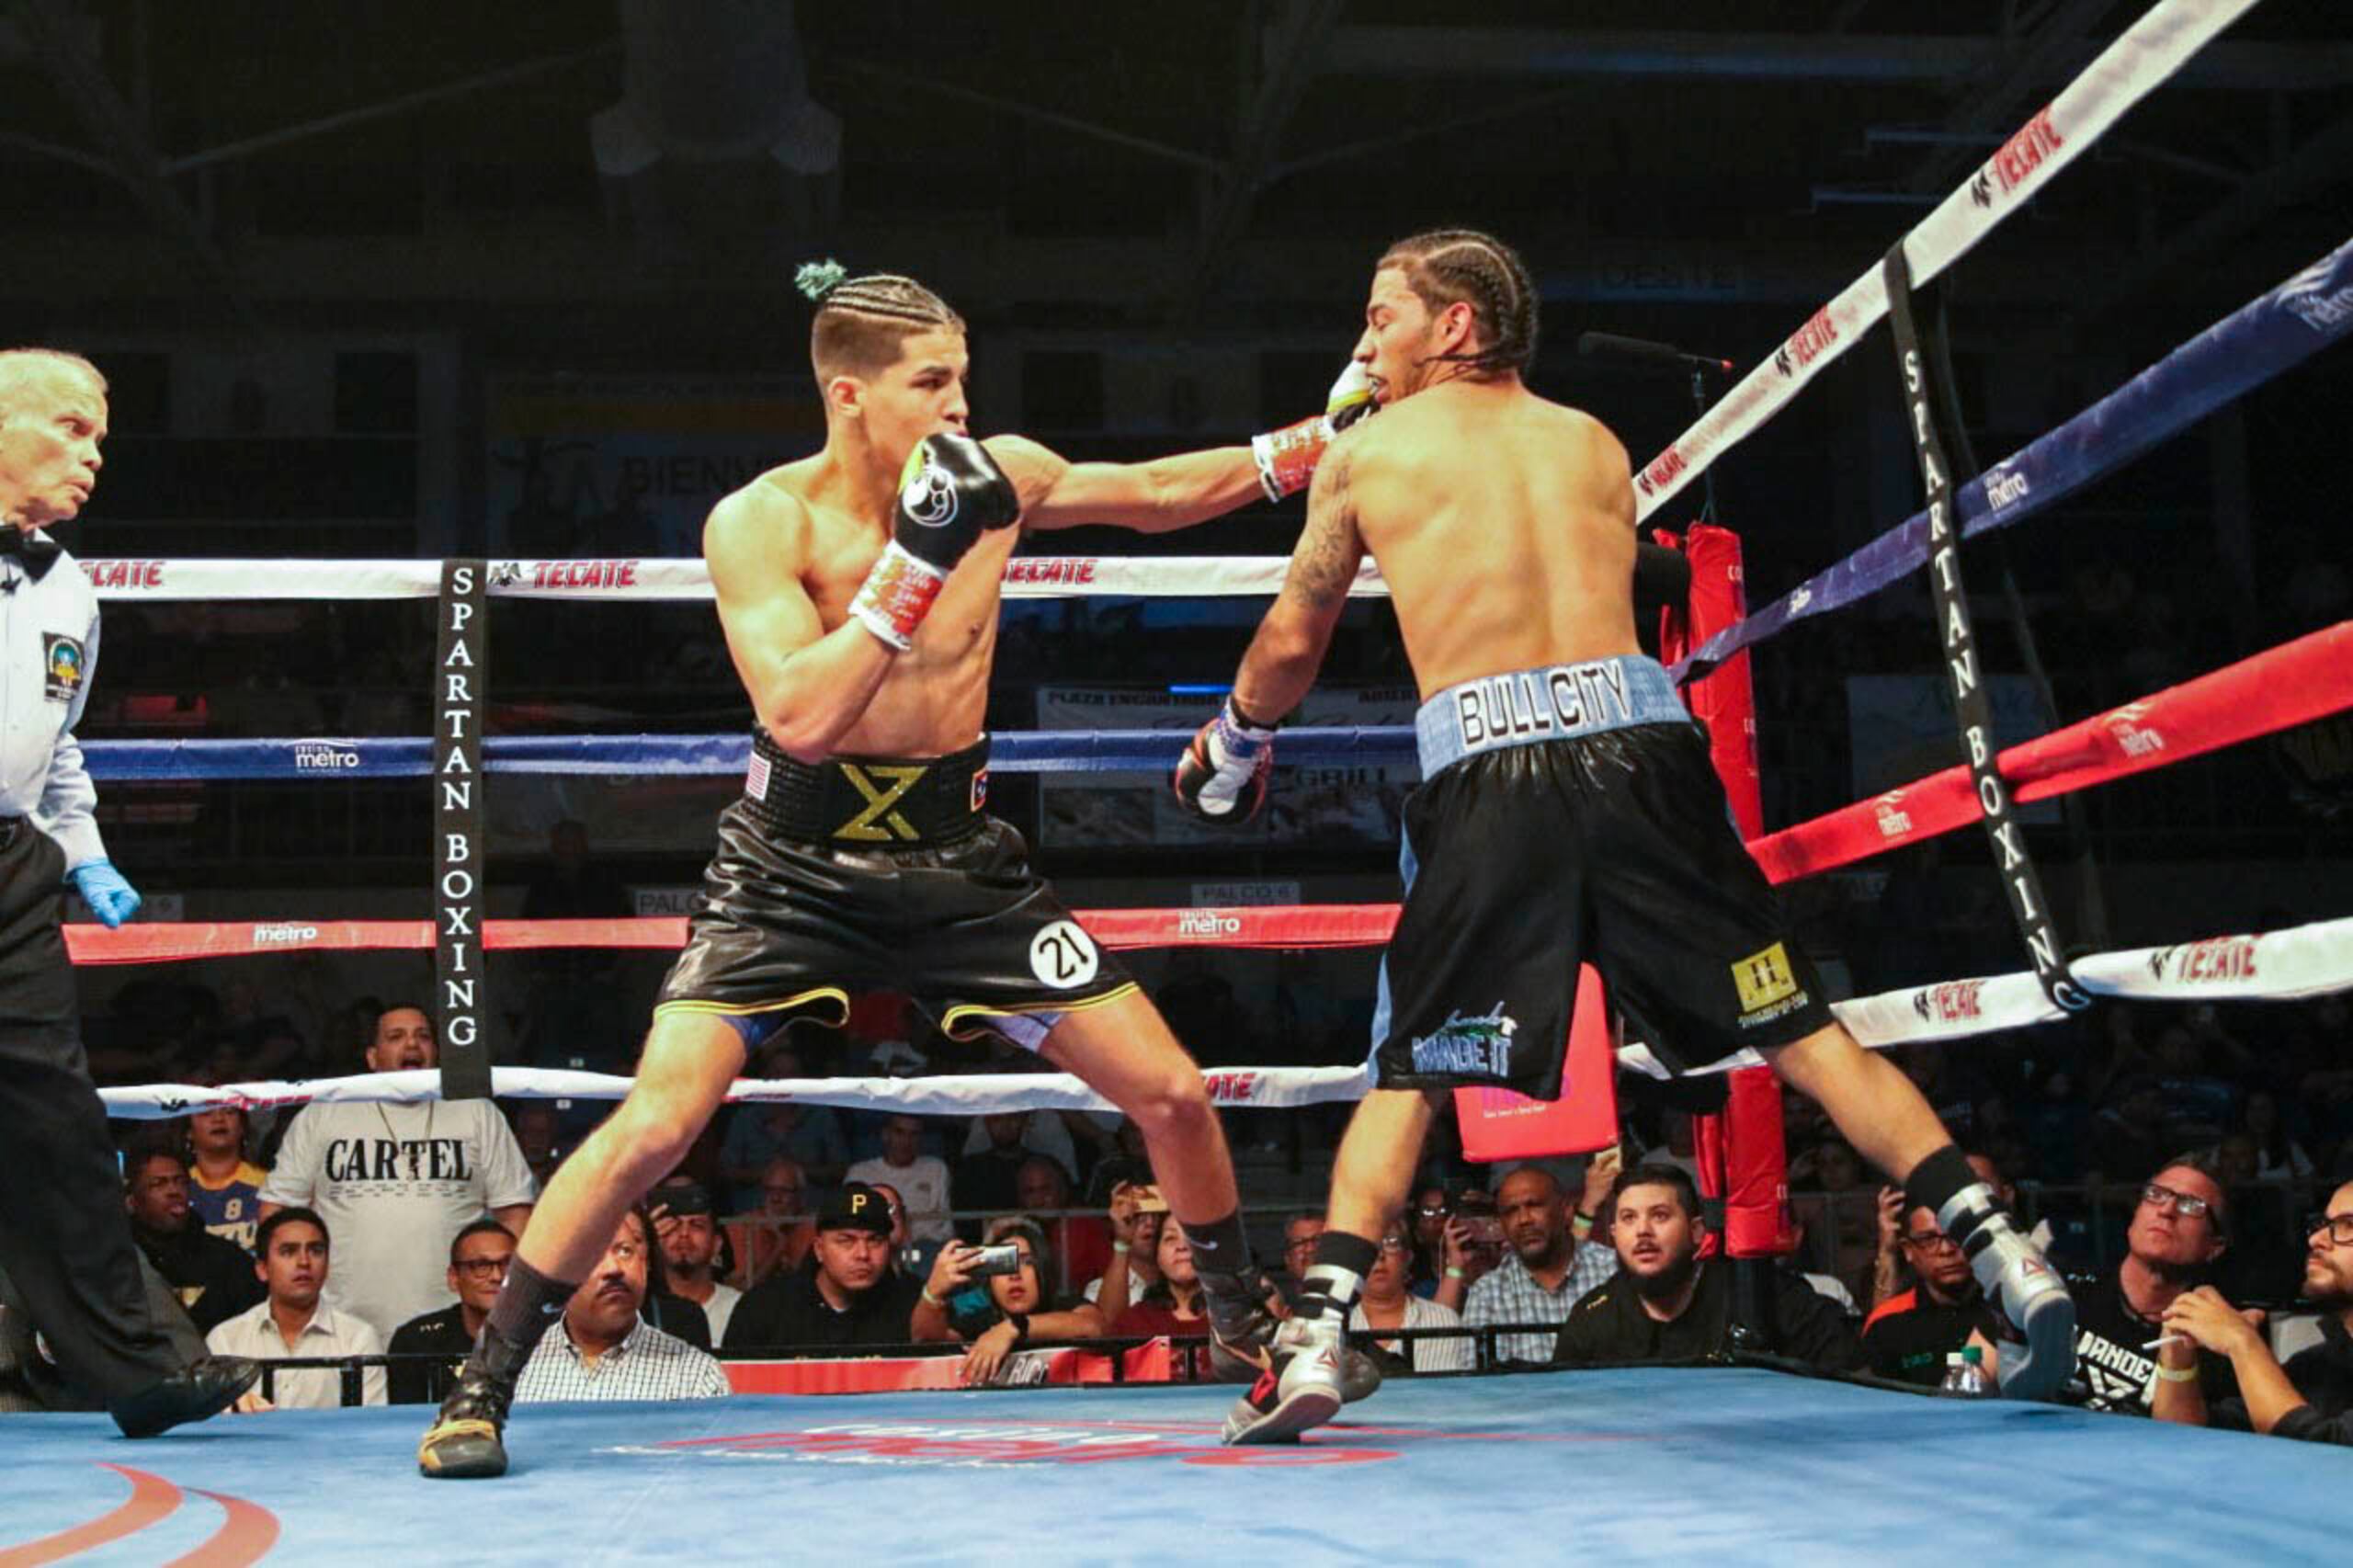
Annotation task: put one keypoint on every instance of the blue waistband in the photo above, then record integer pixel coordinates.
(1552, 702)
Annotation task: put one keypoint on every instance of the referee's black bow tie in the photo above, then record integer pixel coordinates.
(38, 554)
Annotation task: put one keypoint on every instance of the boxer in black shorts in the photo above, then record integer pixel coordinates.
(1568, 810)
(859, 591)
(1573, 812)
(865, 873)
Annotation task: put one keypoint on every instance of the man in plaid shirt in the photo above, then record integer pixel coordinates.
(606, 1350)
(1547, 1271)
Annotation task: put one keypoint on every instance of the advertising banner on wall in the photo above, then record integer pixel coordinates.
(627, 465)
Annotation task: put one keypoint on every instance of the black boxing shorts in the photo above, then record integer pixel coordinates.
(1570, 815)
(862, 874)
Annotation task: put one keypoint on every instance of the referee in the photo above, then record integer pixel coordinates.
(64, 1242)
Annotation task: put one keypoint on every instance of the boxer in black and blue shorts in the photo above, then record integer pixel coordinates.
(1570, 813)
(1568, 809)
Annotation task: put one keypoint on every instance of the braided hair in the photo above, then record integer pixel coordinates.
(861, 322)
(1445, 266)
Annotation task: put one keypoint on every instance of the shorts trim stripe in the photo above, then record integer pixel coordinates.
(957, 1014)
(833, 993)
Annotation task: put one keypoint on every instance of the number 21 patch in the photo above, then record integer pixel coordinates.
(1064, 956)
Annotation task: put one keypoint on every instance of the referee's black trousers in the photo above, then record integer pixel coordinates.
(64, 1237)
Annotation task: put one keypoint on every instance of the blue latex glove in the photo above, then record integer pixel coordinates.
(111, 897)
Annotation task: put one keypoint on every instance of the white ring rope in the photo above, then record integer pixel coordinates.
(671, 578)
(2139, 60)
(2277, 966)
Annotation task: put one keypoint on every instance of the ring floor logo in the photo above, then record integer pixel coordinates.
(998, 1445)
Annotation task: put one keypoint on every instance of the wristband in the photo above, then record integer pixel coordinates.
(930, 1299)
(896, 596)
(1287, 458)
(1454, 1273)
(1581, 1226)
(1121, 1248)
(2180, 1375)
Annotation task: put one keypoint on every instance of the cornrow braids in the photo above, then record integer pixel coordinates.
(1445, 266)
(861, 321)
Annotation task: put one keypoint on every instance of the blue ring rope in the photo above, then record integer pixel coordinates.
(1019, 751)
(2242, 350)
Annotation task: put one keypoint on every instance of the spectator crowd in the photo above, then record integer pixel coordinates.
(2191, 1181)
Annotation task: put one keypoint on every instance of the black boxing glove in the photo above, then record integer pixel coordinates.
(951, 492)
(1222, 777)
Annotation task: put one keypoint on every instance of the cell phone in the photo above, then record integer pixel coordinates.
(1002, 1260)
(1486, 1229)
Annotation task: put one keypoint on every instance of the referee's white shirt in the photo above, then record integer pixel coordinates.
(49, 649)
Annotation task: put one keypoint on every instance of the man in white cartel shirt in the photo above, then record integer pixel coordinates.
(397, 1181)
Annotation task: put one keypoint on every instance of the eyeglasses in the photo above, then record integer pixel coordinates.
(481, 1268)
(2182, 1203)
(1394, 1244)
(1439, 1212)
(2339, 1226)
(1930, 1241)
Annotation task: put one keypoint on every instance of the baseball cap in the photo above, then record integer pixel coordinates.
(856, 1207)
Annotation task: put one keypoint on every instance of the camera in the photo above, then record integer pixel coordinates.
(1002, 1260)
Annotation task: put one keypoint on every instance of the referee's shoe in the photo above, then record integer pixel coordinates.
(206, 1386)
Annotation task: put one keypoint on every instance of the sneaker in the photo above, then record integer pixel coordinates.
(466, 1442)
(1301, 1389)
(2013, 1273)
(1242, 1329)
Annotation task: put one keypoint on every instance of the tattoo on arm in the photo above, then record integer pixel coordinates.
(1323, 567)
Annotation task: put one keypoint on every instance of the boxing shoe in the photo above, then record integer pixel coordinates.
(1242, 1335)
(2017, 1279)
(467, 1441)
(1298, 1390)
(206, 1386)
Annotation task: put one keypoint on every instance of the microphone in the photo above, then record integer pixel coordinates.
(1610, 346)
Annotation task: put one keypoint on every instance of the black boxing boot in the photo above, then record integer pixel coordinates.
(468, 1438)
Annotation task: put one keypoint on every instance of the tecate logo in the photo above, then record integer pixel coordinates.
(1953, 1002)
